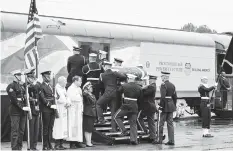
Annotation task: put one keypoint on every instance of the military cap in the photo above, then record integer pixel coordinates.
(92, 55)
(131, 76)
(118, 60)
(46, 72)
(140, 65)
(30, 72)
(152, 77)
(86, 85)
(165, 73)
(204, 77)
(107, 63)
(102, 52)
(76, 48)
(17, 72)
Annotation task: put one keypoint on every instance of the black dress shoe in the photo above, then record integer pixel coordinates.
(169, 143)
(80, 145)
(207, 135)
(90, 145)
(133, 143)
(59, 148)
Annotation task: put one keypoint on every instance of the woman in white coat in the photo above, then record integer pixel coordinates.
(60, 130)
(75, 113)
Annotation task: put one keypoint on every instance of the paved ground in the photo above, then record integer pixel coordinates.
(188, 135)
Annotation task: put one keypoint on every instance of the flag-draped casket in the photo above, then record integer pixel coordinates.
(140, 73)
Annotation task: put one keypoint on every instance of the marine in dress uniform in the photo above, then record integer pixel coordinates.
(224, 87)
(148, 108)
(74, 65)
(47, 106)
(132, 95)
(109, 79)
(91, 72)
(33, 91)
(204, 90)
(16, 92)
(167, 106)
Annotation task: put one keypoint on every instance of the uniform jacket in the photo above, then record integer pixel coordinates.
(134, 91)
(148, 103)
(33, 91)
(16, 94)
(75, 64)
(92, 70)
(46, 97)
(109, 79)
(224, 83)
(204, 91)
(89, 103)
(168, 89)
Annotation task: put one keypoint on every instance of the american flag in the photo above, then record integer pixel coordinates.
(33, 34)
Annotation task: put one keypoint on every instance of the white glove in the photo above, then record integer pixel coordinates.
(53, 107)
(216, 84)
(26, 108)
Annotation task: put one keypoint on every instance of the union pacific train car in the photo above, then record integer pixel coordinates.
(188, 56)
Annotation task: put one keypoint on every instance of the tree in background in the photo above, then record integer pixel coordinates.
(201, 29)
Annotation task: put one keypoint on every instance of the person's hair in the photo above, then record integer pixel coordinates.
(61, 79)
(76, 78)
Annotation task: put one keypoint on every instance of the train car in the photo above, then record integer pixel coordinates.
(187, 55)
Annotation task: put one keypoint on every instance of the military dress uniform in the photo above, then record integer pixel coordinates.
(16, 94)
(148, 109)
(168, 106)
(91, 72)
(224, 86)
(74, 66)
(109, 79)
(205, 108)
(33, 91)
(132, 93)
(48, 114)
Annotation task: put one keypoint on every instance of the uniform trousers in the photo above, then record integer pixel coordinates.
(151, 122)
(109, 96)
(168, 117)
(18, 123)
(224, 98)
(132, 117)
(205, 114)
(34, 131)
(48, 122)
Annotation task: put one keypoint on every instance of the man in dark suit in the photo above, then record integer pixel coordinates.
(74, 65)
(91, 72)
(148, 108)
(109, 79)
(224, 87)
(167, 106)
(47, 106)
(33, 92)
(16, 92)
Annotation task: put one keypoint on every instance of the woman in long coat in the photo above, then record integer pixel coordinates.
(75, 112)
(89, 113)
(60, 130)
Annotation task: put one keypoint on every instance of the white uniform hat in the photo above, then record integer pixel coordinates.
(204, 77)
(102, 52)
(92, 55)
(131, 76)
(17, 72)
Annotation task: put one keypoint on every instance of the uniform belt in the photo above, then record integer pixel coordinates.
(205, 98)
(94, 79)
(168, 97)
(131, 99)
(19, 99)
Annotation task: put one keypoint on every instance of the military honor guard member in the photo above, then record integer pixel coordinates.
(75, 64)
(91, 72)
(148, 108)
(117, 62)
(33, 91)
(16, 92)
(167, 106)
(132, 95)
(204, 90)
(109, 79)
(48, 107)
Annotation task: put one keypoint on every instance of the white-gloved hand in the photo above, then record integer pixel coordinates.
(216, 84)
(26, 108)
(53, 106)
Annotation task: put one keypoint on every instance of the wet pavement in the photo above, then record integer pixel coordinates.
(188, 136)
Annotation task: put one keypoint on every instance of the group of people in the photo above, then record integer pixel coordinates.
(69, 110)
